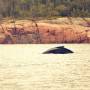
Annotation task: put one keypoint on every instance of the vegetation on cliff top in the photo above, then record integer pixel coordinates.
(44, 8)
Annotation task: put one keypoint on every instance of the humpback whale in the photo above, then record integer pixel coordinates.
(58, 50)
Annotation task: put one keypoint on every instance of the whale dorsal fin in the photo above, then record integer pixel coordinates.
(60, 47)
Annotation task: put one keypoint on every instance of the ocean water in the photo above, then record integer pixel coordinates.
(24, 67)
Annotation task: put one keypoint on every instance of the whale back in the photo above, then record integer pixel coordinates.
(58, 50)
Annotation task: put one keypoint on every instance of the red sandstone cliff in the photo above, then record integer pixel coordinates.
(44, 32)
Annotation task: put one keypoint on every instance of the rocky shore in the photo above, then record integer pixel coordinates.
(62, 30)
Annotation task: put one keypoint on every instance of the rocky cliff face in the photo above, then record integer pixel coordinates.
(44, 32)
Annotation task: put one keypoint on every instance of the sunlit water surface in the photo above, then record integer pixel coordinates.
(24, 67)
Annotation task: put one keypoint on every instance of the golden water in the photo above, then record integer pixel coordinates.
(24, 67)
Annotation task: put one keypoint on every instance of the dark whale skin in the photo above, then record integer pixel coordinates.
(58, 50)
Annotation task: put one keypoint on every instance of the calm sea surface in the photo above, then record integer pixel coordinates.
(24, 67)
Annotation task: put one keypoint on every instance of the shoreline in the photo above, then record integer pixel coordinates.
(60, 30)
